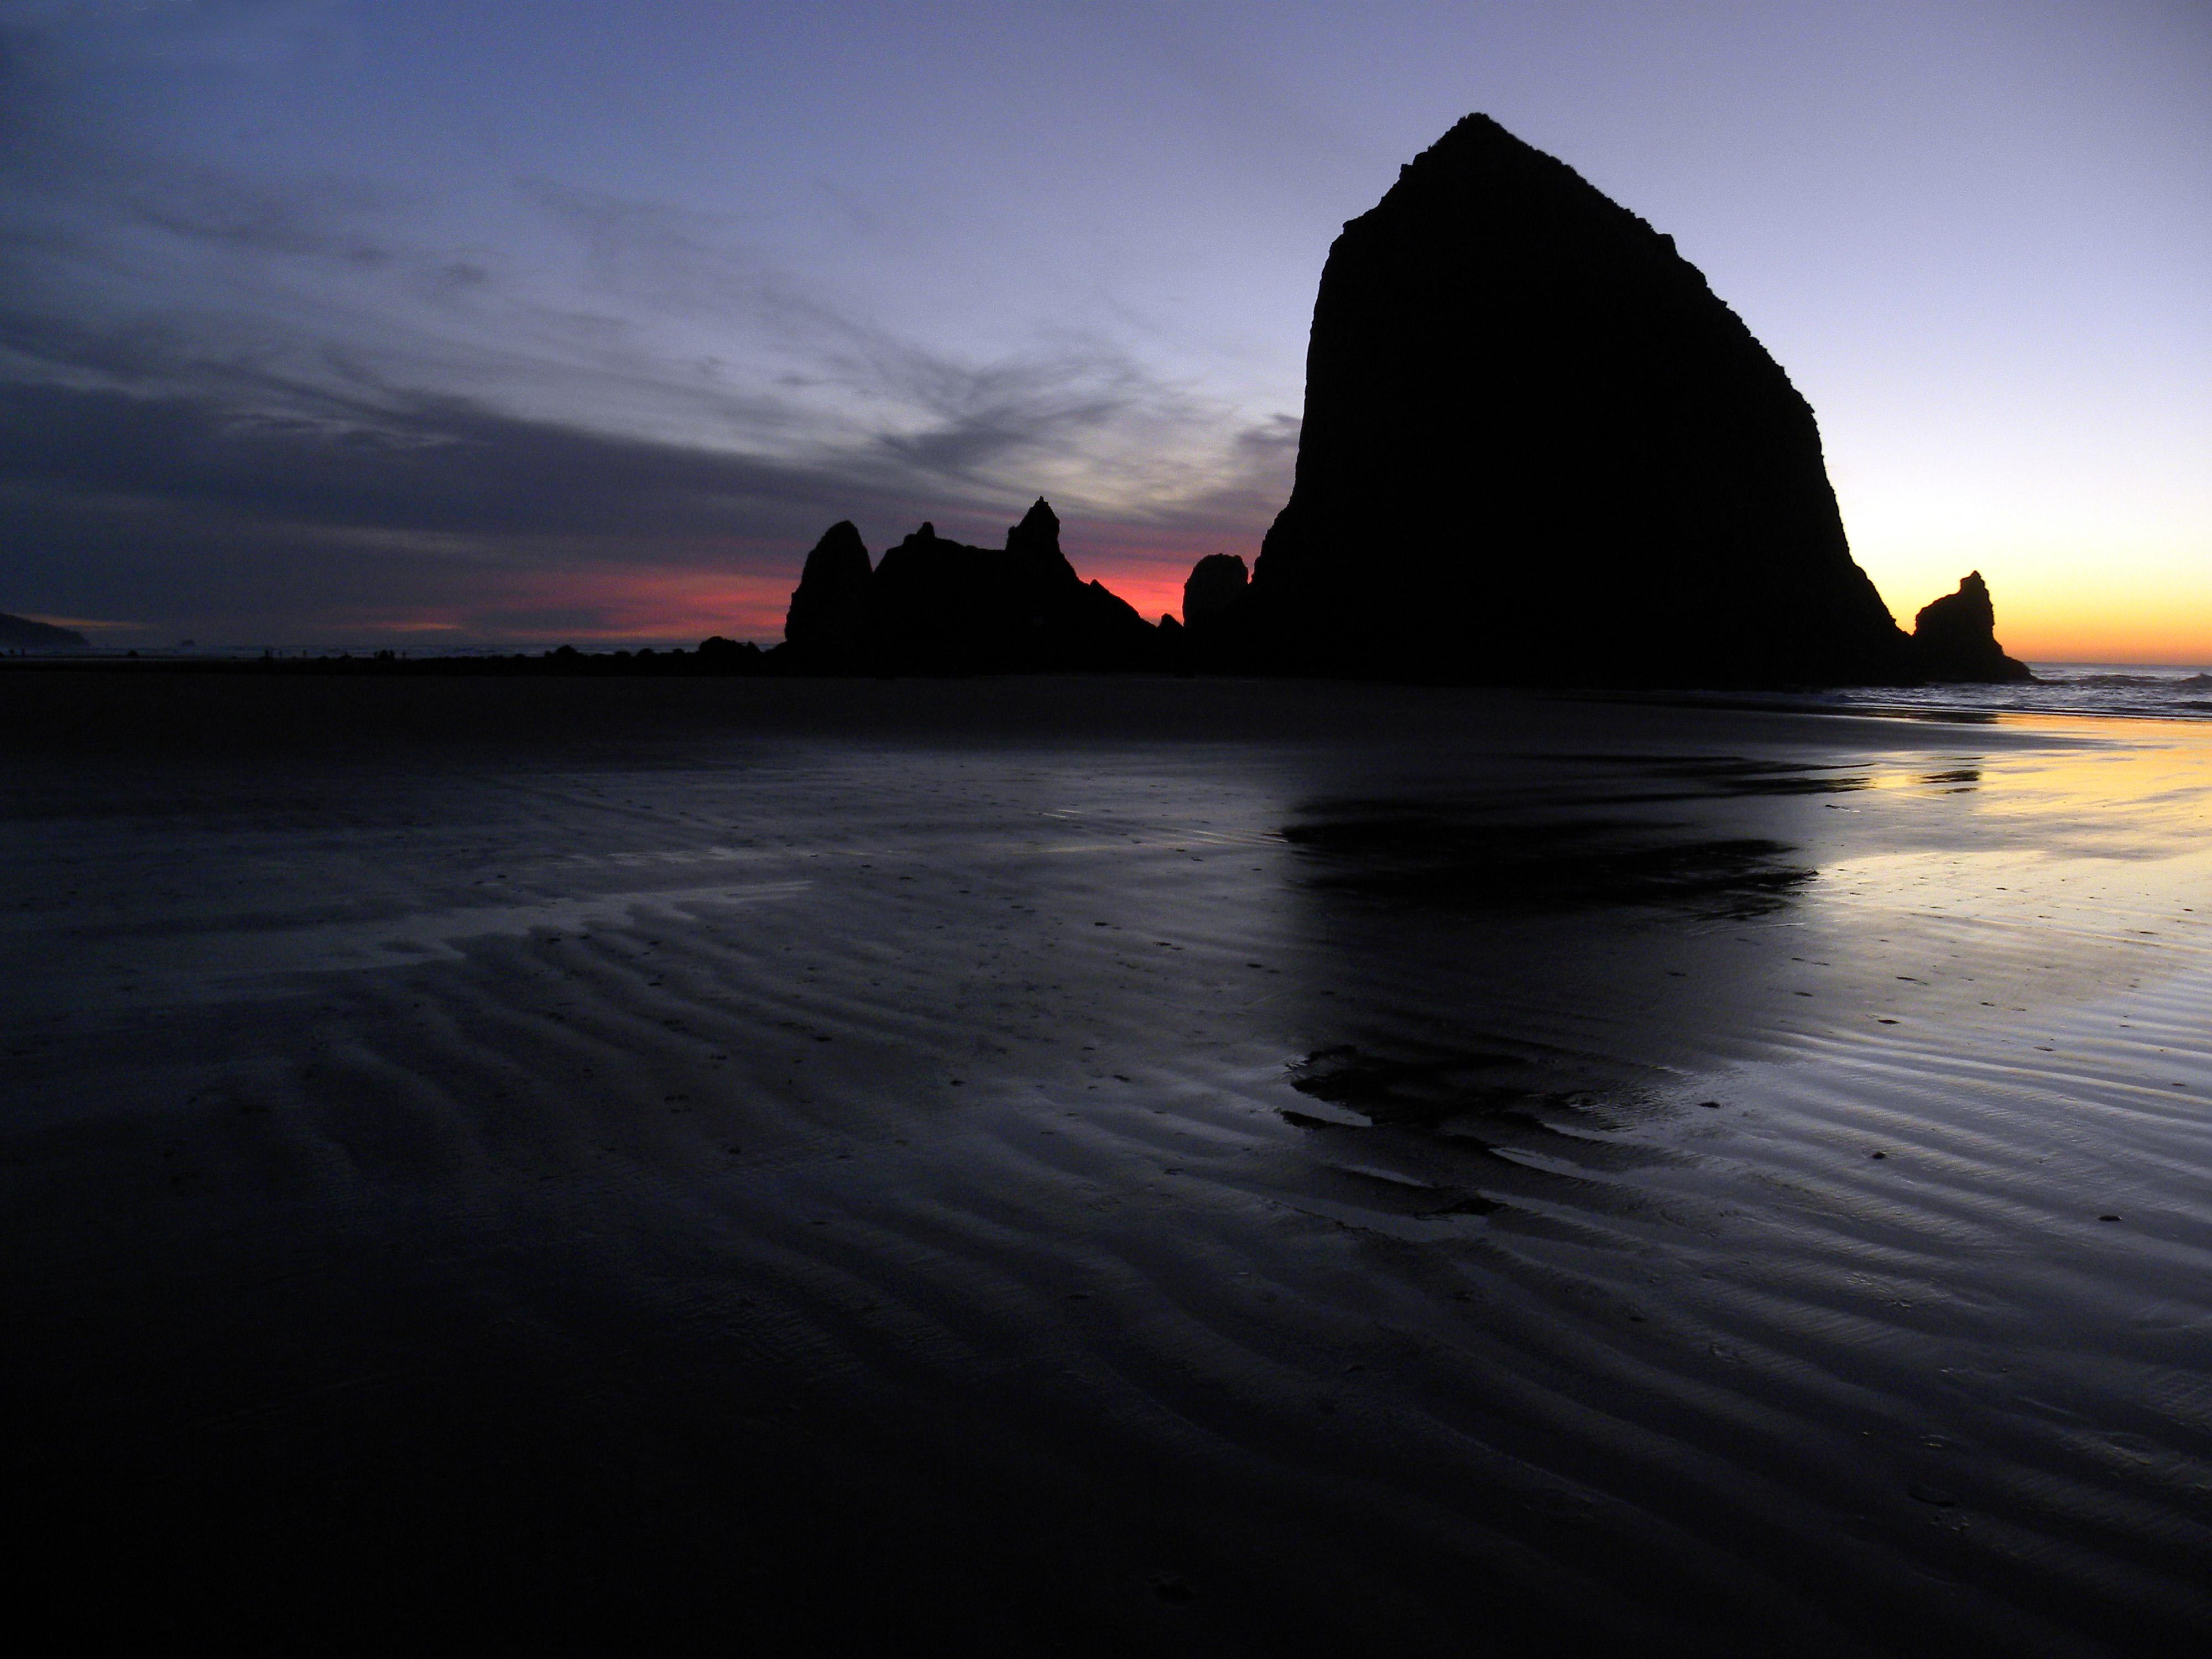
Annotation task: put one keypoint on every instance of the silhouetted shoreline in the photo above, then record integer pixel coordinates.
(713, 658)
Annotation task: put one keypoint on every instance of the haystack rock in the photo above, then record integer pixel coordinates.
(1539, 449)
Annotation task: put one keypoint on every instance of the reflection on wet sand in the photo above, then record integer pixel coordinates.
(1168, 1170)
(1423, 854)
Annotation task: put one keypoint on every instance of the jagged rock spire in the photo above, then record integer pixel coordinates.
(827, 605)
(1956, 637)
(1038, 533)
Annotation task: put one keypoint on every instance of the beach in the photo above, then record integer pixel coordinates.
(1101, 1166)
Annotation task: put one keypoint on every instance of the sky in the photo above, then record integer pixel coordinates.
(435, 322)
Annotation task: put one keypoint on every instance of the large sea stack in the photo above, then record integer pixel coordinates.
(1539, 449)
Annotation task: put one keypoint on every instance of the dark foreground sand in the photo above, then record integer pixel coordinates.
(1104, 1167)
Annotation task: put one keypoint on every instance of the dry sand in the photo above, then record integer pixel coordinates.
(1102, 1167)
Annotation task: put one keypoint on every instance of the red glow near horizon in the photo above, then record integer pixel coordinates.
(615, 606)
(657, 605)
(606, 606)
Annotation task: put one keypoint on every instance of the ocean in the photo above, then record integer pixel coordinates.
(2136, 689)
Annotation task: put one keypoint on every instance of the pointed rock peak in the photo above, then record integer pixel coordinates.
(1968, 612)
(826, 607)
(1954, 638)
(1037, 532)
(1466, 133)
(841, 546)
(1475, 143)
(926, 533)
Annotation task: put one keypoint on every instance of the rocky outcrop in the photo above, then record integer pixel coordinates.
(1215, 584)
(1212, 607)
(1955, 638)
(829, 604)
(1538, 449)
(935, 605)
(22, 634)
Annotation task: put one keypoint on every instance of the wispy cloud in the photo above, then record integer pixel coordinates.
(259, 396)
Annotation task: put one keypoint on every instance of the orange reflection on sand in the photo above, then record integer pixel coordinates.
(2144, 784)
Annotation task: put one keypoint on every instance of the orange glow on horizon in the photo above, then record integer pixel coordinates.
(690, 605)
(652, 607)
(1154, 590)
(2066, 616)
(2104, 627)
(2045, 613)
(2074, 577)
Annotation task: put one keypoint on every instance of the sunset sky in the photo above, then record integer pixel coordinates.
(327, 322)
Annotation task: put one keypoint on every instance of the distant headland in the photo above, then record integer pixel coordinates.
(22, 634)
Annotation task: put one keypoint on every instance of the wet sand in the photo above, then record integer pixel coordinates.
(1102, 1167)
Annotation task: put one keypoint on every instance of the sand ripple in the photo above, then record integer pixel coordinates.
(1155, 1197)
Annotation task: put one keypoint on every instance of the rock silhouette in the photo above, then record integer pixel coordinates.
(829, 604)
(1539, 449)
(1212, 609)
(1215, 584)
(935, 605)
(22, 634)
(1954, 638)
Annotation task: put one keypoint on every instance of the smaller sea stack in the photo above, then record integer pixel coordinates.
(932, 606)
(1955, 638)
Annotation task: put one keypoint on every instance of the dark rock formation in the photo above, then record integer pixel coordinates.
(932, 606)
(1213, 601)
(1538, 449)
(718, 655)
(1216, 583)
(22, 634)
(828, 606)
(1955, 638)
